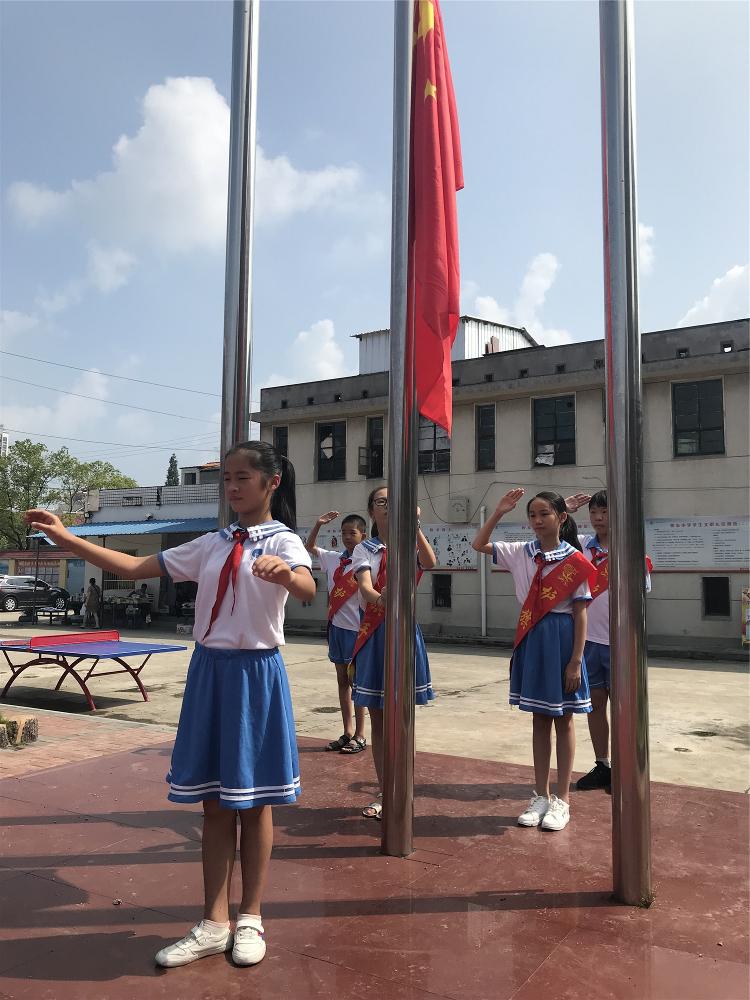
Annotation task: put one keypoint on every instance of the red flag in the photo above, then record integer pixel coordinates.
(436, 175)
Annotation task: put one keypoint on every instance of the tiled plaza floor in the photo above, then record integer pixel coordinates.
(98, 871)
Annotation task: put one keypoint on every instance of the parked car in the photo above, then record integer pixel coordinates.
(26, 591)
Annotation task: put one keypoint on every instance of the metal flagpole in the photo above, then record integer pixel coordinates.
(398, 720)
(631, 809)
(236, 391)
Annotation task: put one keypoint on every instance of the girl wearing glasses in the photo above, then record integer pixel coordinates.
(369, 565)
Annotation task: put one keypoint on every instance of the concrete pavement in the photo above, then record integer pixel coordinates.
(700, 729)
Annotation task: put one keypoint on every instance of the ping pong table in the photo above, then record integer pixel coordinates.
(70, 650)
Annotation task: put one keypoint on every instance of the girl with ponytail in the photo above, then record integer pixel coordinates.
(235, 749)
(548, 670)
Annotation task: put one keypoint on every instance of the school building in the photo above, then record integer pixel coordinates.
(533, 416)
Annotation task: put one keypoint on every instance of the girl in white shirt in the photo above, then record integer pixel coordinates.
(369, 563)
(548, 670)
(235, 749)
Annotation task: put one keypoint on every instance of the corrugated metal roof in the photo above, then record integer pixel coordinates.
(178, 525)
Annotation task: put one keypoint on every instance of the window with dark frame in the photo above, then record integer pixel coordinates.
(555, 430)
(374, 457)
(698, 417)
(716, 597)
(441, 590)
(484, 420)
(281, 440)
(331, 449)
(434, 452)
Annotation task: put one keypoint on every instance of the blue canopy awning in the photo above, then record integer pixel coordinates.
(103, 529)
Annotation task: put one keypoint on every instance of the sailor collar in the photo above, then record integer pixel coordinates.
(563, 550)
(256, 532)
(373, 544)
(595, 545)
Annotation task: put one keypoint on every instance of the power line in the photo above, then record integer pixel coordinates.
(121, 444)
(124, 378)
(110, 402)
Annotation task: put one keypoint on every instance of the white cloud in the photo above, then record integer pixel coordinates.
(167, 189)
(317, 356)
(109, 268)
(15, 324)
(539, 277)
(727, 298)
(646, 255)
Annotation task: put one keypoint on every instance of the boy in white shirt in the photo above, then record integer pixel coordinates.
(343, 621)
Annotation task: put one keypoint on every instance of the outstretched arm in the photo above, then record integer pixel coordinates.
(482, 541)
(119, 563)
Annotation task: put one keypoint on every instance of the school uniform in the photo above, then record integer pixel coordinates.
(597, 627)
(344, 625)
(236, 738)
(539, 661)
(369, 674)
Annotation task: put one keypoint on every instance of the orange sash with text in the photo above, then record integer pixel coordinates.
(344, 587)
(600, 562)
(544, 595)
(374, 614)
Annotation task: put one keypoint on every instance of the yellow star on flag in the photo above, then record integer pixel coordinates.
(430, 90)
(426, 18)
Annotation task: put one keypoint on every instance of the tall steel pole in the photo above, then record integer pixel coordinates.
(398, 721)
(631, 809)
(236, 390)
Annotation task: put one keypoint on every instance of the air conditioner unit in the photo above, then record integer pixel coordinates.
(458, 509)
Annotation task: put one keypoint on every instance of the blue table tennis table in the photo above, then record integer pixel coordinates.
(69, 650)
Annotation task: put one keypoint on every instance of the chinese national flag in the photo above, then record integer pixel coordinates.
(436, 175)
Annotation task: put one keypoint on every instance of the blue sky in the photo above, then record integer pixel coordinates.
(113, 187)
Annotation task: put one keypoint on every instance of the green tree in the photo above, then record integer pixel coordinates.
(33, 476)
(27, 477)
(75, 479)
(173, 473)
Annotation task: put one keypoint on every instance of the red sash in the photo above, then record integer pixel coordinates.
(374, 614)
(344, 587)
(600, 561)
(544, 595)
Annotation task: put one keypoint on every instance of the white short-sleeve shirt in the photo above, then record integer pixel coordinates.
(258, 618)
(597, 625)
(348, 614)
(518, 559)
(368, 555)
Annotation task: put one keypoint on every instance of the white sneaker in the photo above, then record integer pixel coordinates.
(197, 943)
(535, 811)
(249, 946)
(558, 815)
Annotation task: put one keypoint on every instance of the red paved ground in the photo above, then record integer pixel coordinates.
(484, 910)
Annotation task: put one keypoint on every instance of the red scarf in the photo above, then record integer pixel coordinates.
(229, 569)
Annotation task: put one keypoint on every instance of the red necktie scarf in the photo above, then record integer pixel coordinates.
(229, 569)
(536, 584)
(344, 561)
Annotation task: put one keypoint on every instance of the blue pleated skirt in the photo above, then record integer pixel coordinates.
(369, 668)
(538, 668)
(236, 740)
(340, 644)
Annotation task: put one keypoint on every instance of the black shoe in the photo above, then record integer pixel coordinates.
(599, 777)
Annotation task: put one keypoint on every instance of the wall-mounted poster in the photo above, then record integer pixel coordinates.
(699, 543)
(452, 545)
